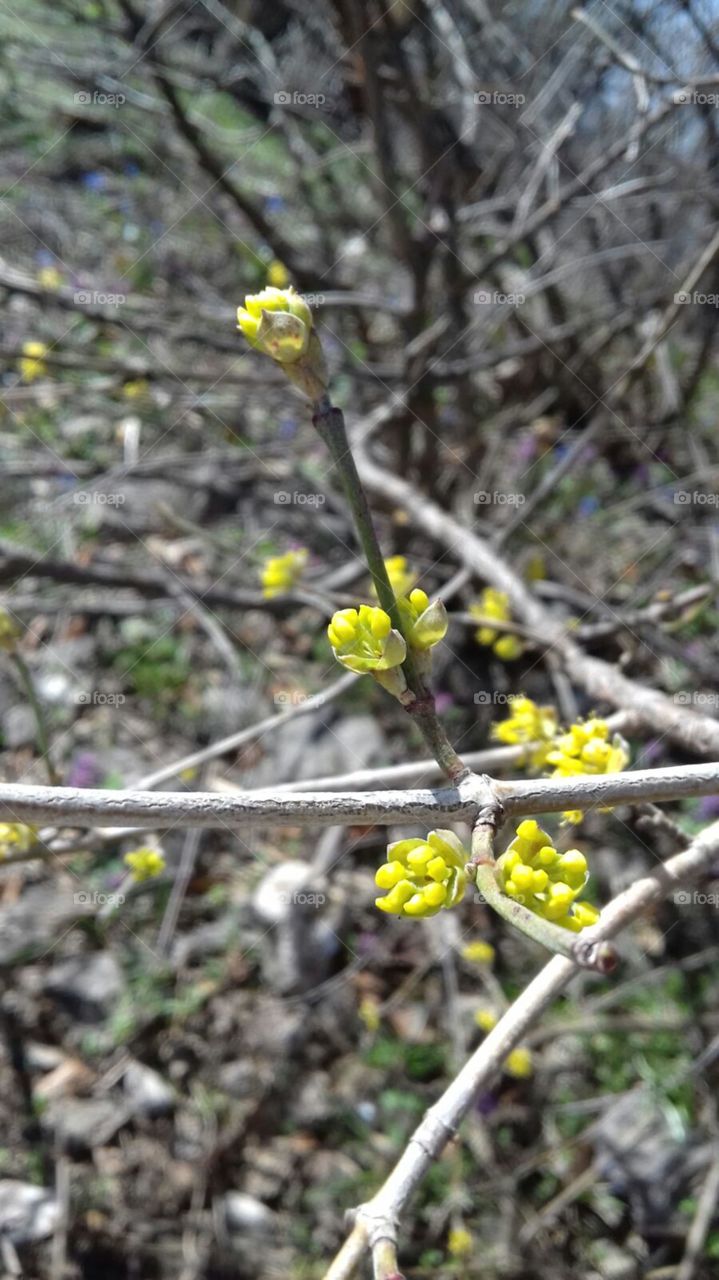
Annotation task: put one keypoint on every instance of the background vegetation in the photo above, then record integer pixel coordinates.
(505, 218)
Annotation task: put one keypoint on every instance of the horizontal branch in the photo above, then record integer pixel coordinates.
(549, 795)
(66, 806)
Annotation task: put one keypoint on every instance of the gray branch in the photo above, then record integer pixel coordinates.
(66, 806)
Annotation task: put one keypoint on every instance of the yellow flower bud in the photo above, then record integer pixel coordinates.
(32, 364)
(478, 952)
(424, 624)
(277, 274)
(528, 723)
(279, 323)
(519, 1063)
(401, 577)
(145, 863)
(16, 837)
(460, 1242)
(280, 573)
(586, 748)
(494, 605)
(363, 640)
(486, 1019)
(422, 876)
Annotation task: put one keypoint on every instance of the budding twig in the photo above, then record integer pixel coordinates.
(330, 424)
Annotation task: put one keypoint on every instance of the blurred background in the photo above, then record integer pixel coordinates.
(504, 217)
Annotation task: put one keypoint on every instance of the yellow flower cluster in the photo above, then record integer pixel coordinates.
(32, 365)
(364, 641)
(494, 605)
(401, 577)
(16, 837)
(145, 864)
(422, 876)
(280, 573)
(546, 882)
(528, 723)
(587, 748)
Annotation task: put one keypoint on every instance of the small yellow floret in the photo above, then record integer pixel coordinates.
(478, 952)
(519, 1063)
(32, 365)
(280, 573)
(460, 1242)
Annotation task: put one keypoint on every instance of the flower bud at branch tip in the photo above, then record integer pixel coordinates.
(279, 323)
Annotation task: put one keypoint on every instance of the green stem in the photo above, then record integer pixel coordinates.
(330, 424)
(43, 741)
